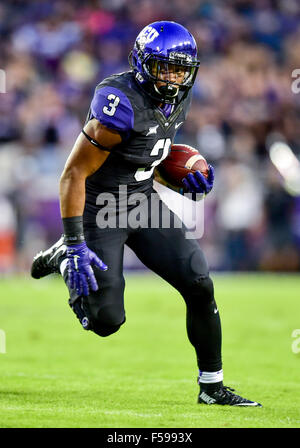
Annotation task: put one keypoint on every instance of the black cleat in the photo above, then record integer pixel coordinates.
(45, 262)
(225, 396)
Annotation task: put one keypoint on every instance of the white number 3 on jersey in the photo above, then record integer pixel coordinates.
(146, 173)
(111, 109)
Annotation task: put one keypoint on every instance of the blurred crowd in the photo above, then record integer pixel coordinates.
(54, 52)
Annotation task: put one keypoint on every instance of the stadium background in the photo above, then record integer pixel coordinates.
(55, 52)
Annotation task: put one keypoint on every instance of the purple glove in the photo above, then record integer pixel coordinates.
(80, 272)
(197, 183)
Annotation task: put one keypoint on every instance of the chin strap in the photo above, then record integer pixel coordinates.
(165, 91)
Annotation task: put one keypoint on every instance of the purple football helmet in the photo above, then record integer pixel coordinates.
(164, 60)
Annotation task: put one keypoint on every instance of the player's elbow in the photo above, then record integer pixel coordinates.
(72, 173)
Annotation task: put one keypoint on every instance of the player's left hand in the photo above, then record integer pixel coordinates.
(197, 183)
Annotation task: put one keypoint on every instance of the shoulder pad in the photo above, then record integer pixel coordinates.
(112, 108)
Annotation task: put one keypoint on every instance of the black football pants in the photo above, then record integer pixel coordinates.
(178, 260)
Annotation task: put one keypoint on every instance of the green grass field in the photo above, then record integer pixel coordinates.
(54, 374)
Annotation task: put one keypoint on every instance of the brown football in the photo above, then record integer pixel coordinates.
(182, 160)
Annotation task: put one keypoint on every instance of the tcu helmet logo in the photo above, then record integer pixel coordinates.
(147, 36)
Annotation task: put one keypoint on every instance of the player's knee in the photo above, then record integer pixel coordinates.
(108, 320)
(198, 286)
(110, 315)
(196, 280)
(198, 290)
(103, 312)
(105, 330)
(199, 297)
(203, 287)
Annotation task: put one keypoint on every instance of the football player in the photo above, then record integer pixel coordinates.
(131, 124)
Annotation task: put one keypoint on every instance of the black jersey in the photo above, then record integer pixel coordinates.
(147, 134)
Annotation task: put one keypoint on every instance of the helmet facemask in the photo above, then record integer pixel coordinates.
(169, 75)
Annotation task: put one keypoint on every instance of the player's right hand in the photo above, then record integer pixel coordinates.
(198, 183)
(80, 272)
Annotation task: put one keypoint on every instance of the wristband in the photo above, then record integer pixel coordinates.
(73, 230)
